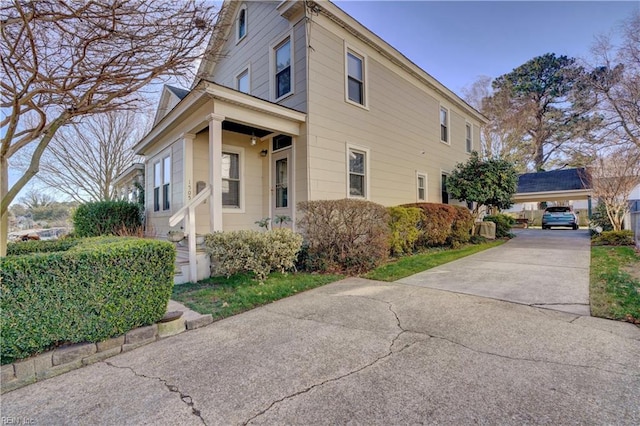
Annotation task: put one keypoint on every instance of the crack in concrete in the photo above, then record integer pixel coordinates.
(335, 379)
(187, 399)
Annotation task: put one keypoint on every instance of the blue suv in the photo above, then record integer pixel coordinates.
(559, 216)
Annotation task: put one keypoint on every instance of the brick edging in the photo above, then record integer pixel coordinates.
(66, 358)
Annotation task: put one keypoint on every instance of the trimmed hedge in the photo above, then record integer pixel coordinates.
(462, 227)
(614, 238)
(345, 236)
(98, 289)
(28, 247)
(107, 218)
(437, 223)
(503, 222)
(404, 224)
(253, 251)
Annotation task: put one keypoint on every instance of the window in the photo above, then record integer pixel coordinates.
(422, 187)
(469, 140)
(282, 194)
(283, 69)
(282, 141)
(242, 81)
(444, 125)
(241, 24)
(445, 193)
(166, 179)
(230, 180)
(162, 184)
(157, 176)
(357, 173)
(355, 78)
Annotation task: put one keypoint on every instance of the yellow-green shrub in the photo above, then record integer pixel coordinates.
(253, 251)
(404, 225)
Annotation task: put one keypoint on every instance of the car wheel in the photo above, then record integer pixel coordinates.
(575, 227)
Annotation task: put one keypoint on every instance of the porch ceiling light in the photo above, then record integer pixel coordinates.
(254, 140)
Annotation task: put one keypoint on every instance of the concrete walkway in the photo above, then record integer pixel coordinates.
(360, 352)
(544, 268)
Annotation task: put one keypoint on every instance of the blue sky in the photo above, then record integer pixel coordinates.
(457, 41)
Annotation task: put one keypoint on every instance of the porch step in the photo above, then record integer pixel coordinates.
(181, 271)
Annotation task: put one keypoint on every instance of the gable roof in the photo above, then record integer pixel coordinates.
(553, 181)
(180, 93)
(326, 7)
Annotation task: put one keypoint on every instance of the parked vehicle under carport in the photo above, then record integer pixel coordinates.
(559, 216)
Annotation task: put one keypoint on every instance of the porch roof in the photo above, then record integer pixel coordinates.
(236, 106)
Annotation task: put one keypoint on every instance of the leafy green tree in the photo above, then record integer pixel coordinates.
(491, 183)
(552, 109)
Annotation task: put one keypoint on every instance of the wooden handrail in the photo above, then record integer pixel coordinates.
(195, 201)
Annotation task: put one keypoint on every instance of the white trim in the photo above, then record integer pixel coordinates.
(272, 66)
(468, 125)
(367, 170)
(448, 125)
(237, 23)
(232, 149)
(365, 75)
(420, 174)
(236, 81)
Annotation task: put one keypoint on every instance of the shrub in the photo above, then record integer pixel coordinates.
(350, 236)
(28, 247)
(462, 227)
(404, 225)
(253, 251)
(599, 218)
(503, 224)
(614, 238)
(437, 223)
(107, 218)
(95, 290)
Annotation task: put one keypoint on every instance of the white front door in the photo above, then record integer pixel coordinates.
(281, 190)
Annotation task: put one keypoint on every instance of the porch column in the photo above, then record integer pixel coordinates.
(187, 164)
(215, 171)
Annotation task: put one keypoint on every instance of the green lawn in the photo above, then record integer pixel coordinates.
(410, 265)
(615, 283)
(223, 297)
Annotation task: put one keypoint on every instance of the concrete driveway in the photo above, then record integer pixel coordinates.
(360, 352)
(545, 268)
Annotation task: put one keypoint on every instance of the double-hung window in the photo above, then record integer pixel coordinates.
(242, 81)
(468, 139)
(355, 78)
(282, 56)
(422, 187)
(444, 124)
(445, 191)
(357, 173)
(230, 180)
(162, 184)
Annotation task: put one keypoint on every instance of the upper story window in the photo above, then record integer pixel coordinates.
(242, 81)
(230, 180)
(282, 71)
(241, 24)
(355, 78)
(468, 138)
(444, 124)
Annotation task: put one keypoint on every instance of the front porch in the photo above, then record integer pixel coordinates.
(220, 160)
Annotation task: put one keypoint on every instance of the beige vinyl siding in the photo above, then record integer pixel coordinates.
(265, 28)
(401, 128)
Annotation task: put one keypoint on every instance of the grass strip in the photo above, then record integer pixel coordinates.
(615, 283)
(410, 265)
(222, 297)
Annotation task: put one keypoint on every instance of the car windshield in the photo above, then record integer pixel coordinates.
(558, 209)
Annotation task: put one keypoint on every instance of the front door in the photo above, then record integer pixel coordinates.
(281, 191)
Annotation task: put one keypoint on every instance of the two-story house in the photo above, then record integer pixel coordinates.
(301, 102)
